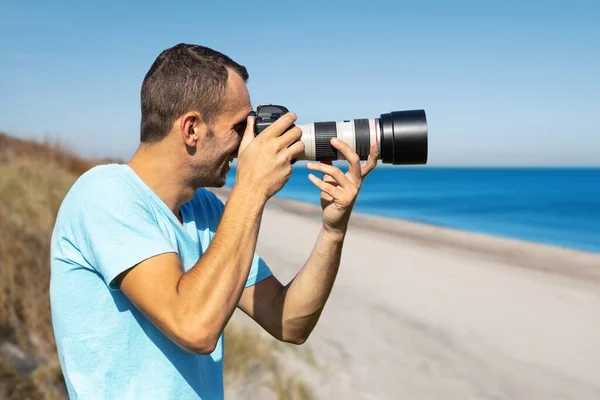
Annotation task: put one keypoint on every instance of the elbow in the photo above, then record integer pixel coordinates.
(300, 340)
(297, 331)
(201, 347)
(197, 341)
(297, 338)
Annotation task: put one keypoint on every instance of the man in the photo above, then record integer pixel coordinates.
(148, 266)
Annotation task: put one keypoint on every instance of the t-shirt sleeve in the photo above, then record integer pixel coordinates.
(116, 231)
(259, 269)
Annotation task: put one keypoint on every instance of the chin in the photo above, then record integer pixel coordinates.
(207, 182)
(218, 182)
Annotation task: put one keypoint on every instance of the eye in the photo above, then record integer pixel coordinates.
(240, 127)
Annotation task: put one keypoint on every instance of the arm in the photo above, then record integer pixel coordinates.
(291, 312)
(192, 308)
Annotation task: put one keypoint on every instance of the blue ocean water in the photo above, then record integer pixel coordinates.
(557, 206)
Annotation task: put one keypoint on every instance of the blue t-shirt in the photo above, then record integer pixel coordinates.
(109, 221)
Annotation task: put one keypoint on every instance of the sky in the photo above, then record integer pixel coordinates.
(511, 83)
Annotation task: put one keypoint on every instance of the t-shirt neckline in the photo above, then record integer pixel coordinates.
(157, 199)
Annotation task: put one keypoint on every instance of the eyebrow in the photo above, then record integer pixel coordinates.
(240, 123)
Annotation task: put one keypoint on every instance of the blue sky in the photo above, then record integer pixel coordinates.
(508, 83)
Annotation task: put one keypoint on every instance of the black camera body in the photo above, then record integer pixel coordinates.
(266, 115)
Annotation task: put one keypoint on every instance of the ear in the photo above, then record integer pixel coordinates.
(191, 128)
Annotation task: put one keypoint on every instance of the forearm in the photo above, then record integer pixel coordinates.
(305, 296)
(209, 292)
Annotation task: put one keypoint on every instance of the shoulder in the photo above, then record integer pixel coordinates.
(102, 181)
(104, 188)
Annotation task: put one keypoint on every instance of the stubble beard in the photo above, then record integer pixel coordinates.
(208, 173)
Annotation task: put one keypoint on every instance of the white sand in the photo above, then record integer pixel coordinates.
(420, 312)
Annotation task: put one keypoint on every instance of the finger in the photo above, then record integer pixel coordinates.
(248, 134)
(280, 126)
(289, 137)
(340, 178)
(325, 196)
(333, 191)
(326, 177)
(330, 180)
(371, 161)
(295, 150)
(352, 158)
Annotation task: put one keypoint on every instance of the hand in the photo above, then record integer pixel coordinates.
(264, 162)
(339, 190)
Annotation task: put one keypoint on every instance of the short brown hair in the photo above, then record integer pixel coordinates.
(184, 77)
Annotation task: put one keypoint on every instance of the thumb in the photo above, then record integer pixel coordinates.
(248, 134)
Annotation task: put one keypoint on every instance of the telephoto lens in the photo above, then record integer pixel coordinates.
(400, 135)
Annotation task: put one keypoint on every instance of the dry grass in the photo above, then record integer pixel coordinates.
(255, 364)
(34, 178)
(33, 181)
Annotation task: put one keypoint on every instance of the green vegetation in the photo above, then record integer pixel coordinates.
(34, 178)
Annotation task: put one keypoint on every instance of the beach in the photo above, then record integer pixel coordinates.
(425, 312)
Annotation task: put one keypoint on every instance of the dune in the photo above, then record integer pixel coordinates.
(425, 312)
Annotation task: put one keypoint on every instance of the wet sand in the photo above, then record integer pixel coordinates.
(424, 312)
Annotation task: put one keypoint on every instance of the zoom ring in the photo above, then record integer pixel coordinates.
(324, 131)
(362, 135)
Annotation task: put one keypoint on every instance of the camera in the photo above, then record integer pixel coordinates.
(400, 135)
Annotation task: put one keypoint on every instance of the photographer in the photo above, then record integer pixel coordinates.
(148, 266)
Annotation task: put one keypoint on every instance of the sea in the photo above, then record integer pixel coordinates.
(555, 206)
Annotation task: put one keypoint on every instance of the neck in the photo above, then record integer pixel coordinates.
(164, 174)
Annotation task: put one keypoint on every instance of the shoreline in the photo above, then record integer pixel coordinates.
(564, 261)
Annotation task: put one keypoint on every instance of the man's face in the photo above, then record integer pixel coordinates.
(220, 146)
